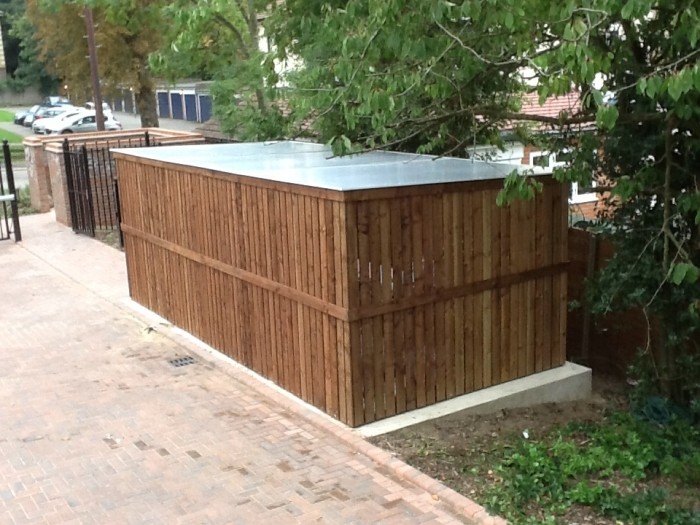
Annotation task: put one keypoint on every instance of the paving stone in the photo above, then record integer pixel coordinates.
(97, 427)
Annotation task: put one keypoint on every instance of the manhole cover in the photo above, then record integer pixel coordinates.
(182, 361)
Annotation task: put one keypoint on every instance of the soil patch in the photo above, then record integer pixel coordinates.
(458, 449)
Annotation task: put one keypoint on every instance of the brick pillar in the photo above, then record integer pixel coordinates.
(59, 184)
(38, 173)
(529, 150)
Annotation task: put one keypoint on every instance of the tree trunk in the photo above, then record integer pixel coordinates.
(668, 351)
(145, 94)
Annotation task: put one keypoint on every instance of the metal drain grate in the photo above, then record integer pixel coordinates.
(182, 361)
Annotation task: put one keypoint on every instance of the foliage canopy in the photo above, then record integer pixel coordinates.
(437, 76)
(128, 33)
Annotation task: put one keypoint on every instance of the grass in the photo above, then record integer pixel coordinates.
(12, 138)
(17, 153)
(6, 116)
(24, 205)
(15, 140)
(629, 470)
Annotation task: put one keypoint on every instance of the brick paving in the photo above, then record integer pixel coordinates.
(97, 427)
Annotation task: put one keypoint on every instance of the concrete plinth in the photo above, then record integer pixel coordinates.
(569, 382)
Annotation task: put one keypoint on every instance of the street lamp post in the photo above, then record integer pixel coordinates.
(94, 74)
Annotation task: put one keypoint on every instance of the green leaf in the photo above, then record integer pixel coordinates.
(509, 20)
(684, 273)
(606, 117)
(679, 85)
(597, 97)
(653, 86)
(627, 9)
(642, 86)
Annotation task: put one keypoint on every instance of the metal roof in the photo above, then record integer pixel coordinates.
(314, 165)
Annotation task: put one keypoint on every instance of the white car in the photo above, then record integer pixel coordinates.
(83, 122)
(56, 114)
(106, 109)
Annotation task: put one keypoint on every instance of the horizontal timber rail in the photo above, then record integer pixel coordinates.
(355, 314)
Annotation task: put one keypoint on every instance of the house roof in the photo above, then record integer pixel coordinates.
(553, 106)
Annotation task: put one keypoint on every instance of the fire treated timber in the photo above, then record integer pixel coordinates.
(365, 303)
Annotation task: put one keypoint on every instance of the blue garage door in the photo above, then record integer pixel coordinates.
(163, 104)
(204, 107)
(176, 106)
(191, 107)
(129, 105)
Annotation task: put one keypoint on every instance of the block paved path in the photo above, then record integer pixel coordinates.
(97, 427)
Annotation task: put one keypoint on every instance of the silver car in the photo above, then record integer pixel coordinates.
(50, 115)
(81, 123)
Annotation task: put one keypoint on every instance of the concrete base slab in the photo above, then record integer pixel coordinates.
(570, 382)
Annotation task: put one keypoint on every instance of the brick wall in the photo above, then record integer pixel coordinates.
(584, 210)
(529, 149)
(59, 185)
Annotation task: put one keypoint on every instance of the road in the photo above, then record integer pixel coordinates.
(128, 120)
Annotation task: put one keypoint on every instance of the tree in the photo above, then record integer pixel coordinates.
(127, 34)
(377, 75)
(435, 76)
(221, 41)
(21, 51)
(131, 32)
(62, 52)
(10, 12)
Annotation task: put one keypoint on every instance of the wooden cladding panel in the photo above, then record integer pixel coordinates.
(409, 374)
(272, 234)
(249, 324)
(413, 246)
(365, 306)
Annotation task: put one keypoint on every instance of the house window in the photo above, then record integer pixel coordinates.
(552, 160)
(581, 195)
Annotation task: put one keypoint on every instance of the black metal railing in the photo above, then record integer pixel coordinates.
(9, 200)
(93, 189)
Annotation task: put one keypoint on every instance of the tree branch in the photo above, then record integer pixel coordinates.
(511, 62)
(236, 33)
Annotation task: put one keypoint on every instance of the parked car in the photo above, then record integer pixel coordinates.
(29, 118)
(21, 115)
(54, 116)
(45, 112)
(55, 100)
(106, 109)
(81, 123)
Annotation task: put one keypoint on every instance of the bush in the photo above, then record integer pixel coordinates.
(608, 467)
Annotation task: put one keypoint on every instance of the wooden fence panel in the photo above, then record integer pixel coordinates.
(607, 343)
